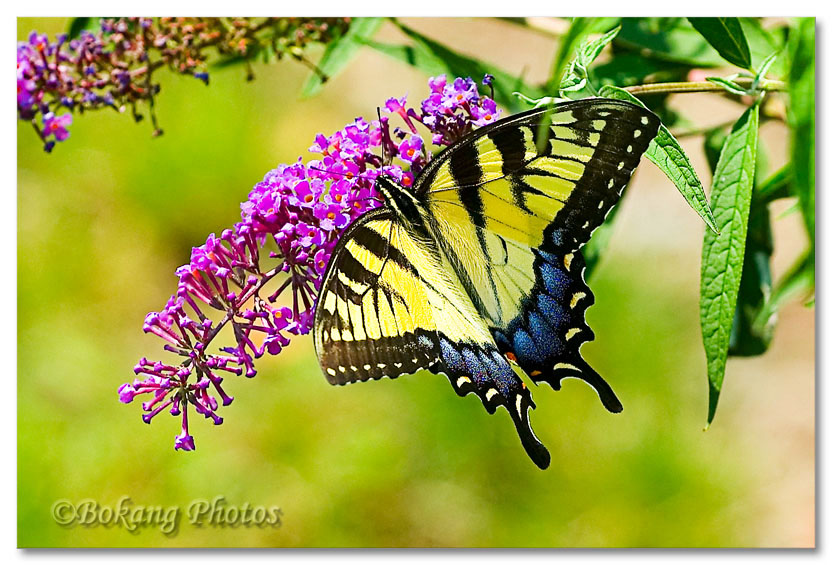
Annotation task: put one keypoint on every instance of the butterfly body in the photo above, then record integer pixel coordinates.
(477, 267)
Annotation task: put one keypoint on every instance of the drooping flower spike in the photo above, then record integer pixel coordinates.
(261, 277)
(113, 68)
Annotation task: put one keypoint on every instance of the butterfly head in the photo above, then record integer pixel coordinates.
(402, 200)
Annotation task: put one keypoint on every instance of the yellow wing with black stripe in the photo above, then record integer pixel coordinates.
(497, 179)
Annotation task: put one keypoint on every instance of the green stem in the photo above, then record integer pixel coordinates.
(687, 87)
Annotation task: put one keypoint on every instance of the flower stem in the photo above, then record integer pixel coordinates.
(704, 86)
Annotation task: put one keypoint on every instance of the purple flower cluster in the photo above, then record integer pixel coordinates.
(113, 68)
(452, 110)
(40, 65)
(290, 225)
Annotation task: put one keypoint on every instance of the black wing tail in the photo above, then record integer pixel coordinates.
(481, 369)
(580, 369)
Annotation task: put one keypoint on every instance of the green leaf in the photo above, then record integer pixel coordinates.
(572, 82)
(590, 50)
(340, 52)
(750, 333)
(747, 336)
(727, 37)
(799, 280)
(763, 42)
(77, 25)
(728, 85)
(668, 155)
(667, 39)
(433, 58)
(764, 67)
(723, 253)
(801, 117)
(568, 43)
(576, 75)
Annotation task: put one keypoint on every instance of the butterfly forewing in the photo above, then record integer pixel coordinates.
(370, 321)
(498, 180)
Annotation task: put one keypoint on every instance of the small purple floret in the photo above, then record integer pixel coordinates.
(184, 442)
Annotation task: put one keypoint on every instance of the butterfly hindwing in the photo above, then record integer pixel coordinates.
(534, 303)
(545, 337)
(389, 306)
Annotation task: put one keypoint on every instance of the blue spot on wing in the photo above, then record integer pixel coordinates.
(556, 281)
(500, 372)
(552, 310)
(477, 371)
(544, 335)
(453, 360)
(537, 335)
(524, 347)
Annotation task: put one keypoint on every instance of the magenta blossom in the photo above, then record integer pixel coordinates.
(56, 125)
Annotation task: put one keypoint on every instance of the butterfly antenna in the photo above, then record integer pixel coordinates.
(383, 137)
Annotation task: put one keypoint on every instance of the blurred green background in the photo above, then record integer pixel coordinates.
(104, 221)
